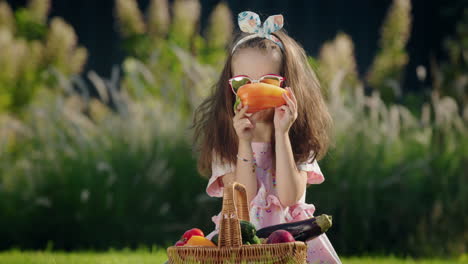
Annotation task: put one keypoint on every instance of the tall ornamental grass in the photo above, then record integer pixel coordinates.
(78, 174)
(395, 182)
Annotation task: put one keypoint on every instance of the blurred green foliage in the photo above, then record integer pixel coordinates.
(82, 175)
(451, 77)
(400, 167)
(386, 71)
(161, 48)
(32, 52)
(336, 57)
(395, 182)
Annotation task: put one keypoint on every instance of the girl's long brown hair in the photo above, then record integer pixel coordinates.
(212, 120)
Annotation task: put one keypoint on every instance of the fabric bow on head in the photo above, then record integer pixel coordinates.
(249, 22)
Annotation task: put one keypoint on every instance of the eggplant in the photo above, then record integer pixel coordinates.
(301, 230)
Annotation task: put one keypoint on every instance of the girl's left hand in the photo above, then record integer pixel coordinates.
(285, 115)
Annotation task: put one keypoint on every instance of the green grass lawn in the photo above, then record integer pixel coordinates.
(135, 257)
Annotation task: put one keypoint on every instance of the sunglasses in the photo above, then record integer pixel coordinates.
(237, 81)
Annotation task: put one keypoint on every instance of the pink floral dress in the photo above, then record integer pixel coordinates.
(265, 207)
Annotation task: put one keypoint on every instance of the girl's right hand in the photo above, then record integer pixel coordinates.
(242, 124)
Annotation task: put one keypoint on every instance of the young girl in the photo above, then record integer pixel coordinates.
(273, 152)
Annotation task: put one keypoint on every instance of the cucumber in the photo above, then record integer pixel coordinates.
(248, 232)
(256, 240)
(301, 230)
(214, 239)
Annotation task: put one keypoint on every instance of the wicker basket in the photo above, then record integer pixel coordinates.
(230, 248)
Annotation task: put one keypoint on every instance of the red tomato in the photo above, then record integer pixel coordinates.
(192, 232)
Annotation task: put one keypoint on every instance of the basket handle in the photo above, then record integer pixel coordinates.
(234, 208)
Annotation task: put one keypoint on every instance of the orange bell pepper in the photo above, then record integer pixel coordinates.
(199, 241)
(260, 96)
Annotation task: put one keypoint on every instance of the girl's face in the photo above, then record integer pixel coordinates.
(255, 63)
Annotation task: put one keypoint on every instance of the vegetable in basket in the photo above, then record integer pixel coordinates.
(188, 234)
(280, 236)
(199, 241)
(228, 249)
(248, 232)
(214, 239)
(301, 230)
(192, 232)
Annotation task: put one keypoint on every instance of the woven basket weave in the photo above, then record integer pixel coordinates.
(230, 248)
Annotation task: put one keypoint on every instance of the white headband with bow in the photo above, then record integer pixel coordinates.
(249, 22)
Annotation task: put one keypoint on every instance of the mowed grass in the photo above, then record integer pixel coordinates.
(393, 260)
(117, 257)
(159, 256)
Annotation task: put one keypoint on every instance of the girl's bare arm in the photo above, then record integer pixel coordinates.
(291, 183)
(244, 172)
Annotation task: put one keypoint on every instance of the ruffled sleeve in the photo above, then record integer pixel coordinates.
(314, 174)
(218, 169)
